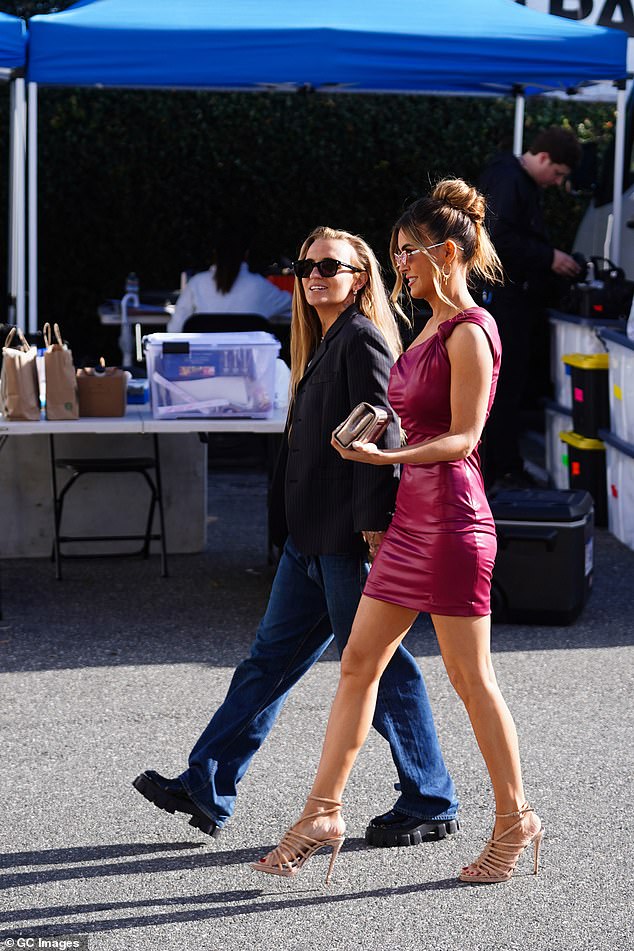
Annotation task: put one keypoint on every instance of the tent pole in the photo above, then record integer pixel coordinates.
(32, 205)
(619, 149)
(518, 129)
(18, 132)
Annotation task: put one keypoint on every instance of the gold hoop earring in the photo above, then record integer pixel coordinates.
(446, 276)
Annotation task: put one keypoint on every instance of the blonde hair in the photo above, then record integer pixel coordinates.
(371, 300)
(453, 211)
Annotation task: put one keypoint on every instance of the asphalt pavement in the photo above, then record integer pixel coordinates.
(114, 670)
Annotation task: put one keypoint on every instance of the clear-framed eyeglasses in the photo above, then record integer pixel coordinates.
(401, 258)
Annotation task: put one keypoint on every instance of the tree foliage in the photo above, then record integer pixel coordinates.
(29, 8)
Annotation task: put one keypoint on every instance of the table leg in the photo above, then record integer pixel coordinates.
(159, 486)
(56, 509)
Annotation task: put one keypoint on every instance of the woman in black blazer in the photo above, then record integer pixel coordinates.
(332, 515)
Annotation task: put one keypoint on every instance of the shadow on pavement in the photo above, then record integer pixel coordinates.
(220, 899)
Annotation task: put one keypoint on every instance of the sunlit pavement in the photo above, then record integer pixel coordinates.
(114, 670)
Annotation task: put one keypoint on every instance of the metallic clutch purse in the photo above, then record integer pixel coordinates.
(366, 423)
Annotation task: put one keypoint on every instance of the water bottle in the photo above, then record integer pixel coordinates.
(132, 284)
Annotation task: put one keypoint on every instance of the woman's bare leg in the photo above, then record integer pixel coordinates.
(377, 631)
(465, 645)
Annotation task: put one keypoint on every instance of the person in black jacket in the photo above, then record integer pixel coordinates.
(344, 339)
(515, 221)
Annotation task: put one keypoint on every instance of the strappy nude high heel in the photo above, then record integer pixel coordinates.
(499, 857)
(294, 850)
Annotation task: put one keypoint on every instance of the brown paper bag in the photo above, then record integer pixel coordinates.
(61, 382)
(19, 387)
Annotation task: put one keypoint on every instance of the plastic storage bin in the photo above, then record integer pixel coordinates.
(619, 472)
(586, 470)
(543, 570)
(620, 384)
(216, 375)
(557, 419)
(590, 401)
(573, 334)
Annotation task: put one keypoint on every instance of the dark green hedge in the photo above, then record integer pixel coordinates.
(141, 180)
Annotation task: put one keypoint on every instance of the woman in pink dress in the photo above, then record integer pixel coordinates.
(438, 553)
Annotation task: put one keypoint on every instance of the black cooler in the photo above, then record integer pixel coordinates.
(543, 569)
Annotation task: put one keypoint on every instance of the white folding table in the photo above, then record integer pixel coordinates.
(25, 477)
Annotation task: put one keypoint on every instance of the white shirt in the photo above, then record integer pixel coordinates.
(250, 294)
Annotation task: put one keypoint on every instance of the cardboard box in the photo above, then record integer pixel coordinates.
(102, 392)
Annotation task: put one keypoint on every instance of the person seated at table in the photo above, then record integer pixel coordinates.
(229, 287)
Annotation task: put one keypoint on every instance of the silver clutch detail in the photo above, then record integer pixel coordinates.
(366, 423)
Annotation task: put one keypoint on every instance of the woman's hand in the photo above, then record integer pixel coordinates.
(362, 452)
(373, 541)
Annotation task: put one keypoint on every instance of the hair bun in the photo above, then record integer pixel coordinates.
(457, 194)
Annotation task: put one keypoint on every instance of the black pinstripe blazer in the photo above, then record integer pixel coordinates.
(327, 501)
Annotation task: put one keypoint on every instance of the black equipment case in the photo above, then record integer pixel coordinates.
(544, 564)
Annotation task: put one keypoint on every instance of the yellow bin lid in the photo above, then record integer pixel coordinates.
(581, 442)
(587, 361)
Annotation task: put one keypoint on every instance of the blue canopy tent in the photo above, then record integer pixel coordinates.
(12, 42)
(12, 62)
(457, 47)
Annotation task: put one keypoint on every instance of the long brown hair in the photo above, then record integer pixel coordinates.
(454, 210)
(371, 300)
(232, 248)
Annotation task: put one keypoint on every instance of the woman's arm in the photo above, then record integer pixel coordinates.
(471, 374)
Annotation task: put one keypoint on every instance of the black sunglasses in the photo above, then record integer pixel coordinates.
(327, 267)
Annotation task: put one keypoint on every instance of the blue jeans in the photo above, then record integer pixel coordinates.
(313, 597)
